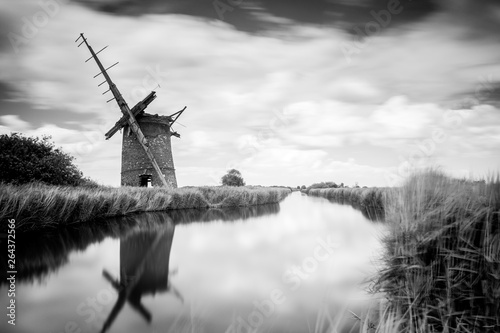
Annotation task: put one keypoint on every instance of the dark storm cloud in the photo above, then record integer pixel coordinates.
(5, 90)
(482, 17)
(241, 18)
(348, 13)
(492, 96)
(11, 105)
(250, 15)
(6, 26)
(485, 93)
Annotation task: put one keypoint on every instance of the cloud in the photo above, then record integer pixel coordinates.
(282, 104)
(12, 123)
(261, 15)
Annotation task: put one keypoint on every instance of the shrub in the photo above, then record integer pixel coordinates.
(28, 159)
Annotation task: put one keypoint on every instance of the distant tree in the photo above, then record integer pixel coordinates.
(233, 178)
(323, 185)
(341, 185)
(298, 187)
(28, 159)
(303, 187)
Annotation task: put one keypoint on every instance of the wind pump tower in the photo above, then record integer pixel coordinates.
(146, 148)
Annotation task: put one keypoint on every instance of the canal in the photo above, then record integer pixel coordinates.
(301, 266)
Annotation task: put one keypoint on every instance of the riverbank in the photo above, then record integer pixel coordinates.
(42, 254)
(37, 206)
(371, 201)
(443, 255)
(442, 262)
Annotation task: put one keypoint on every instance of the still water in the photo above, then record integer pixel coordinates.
(299, 266)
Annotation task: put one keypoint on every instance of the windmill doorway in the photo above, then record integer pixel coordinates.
(145, 180)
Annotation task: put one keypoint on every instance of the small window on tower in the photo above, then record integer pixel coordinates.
(145, 180)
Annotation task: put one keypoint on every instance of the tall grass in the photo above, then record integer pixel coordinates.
(442, 262)
(40, 206)
(443, 255)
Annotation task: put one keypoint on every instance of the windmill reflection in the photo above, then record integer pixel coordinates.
(144, 269)
(41, 254)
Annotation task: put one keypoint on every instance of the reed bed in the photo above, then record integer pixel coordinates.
(371, 201)
(442, 264)
(36, 206)
(442, 268)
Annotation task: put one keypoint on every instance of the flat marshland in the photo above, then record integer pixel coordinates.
(442, 263)
(441, 267)
(36, 206)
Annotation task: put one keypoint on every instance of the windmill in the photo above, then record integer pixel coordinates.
(146, 148)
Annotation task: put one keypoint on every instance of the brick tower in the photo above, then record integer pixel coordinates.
(137, 169)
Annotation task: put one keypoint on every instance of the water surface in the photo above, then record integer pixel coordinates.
(293, 267)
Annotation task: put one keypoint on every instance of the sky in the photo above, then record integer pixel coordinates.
(288, 92)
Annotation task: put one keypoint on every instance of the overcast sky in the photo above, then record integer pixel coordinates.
(288, 92)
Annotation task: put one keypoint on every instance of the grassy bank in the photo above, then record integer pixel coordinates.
(371, 201)
(443, 255)
(39, 206)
